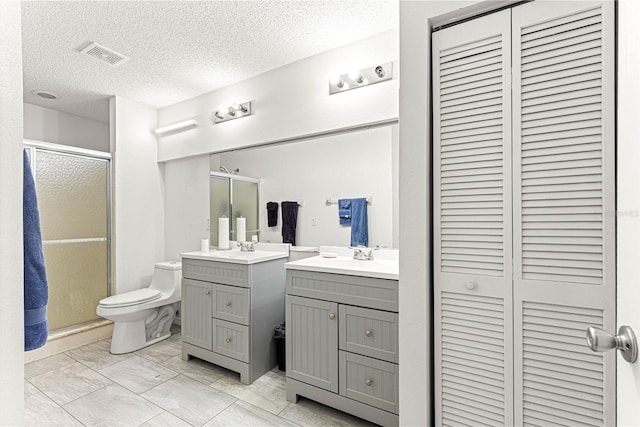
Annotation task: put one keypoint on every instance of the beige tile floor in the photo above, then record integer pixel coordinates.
(88, 386)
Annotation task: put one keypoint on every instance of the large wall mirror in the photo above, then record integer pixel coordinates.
(360, 163)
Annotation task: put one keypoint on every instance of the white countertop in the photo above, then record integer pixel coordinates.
(235, 256)
(378, 268)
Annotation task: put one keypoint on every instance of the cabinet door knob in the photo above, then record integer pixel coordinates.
(228, 303)
(369, 382)
(368, 333)
(332, 316)
(228, 339)
(207, 293)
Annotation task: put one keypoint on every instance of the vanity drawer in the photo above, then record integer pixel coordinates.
(363, 291)
(231, 303)
(218, 272)
(369, 381)
(231, 340)
(372, 333)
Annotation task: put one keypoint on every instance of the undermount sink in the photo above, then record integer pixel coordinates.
(380, 268)
(237, 256)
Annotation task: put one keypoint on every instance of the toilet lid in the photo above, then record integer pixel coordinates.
(130, 298)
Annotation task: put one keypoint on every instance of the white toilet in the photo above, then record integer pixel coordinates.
(144, 316)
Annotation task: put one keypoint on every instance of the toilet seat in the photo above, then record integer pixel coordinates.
(126, 299)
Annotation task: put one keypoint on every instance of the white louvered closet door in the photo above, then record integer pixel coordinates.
(472, 228)
(564, 204)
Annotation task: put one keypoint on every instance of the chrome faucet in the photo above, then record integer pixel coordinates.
(246, 246)
(363, 254)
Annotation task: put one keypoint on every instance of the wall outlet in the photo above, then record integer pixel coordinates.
(314, 222)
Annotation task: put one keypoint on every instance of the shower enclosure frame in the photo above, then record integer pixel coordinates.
(33, 146)
(234, 177)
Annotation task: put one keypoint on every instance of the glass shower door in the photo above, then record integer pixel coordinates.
(245, 204)
(219, 204)
(234, 196)
(73, 203)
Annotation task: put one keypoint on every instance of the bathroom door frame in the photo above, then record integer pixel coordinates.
(33, 145)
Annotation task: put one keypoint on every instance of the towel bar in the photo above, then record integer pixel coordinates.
(333, 201)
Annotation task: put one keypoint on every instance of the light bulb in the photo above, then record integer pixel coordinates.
(338, 82)
(335, 79)
(239, 107)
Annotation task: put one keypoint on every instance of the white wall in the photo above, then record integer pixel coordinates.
(628, 267)
(415, 164)
(11, 262)
(45, 124)
(290, 102)
(187, 204)
(353, 164)
(138, 194)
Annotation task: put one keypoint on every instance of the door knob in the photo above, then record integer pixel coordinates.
(625, 341)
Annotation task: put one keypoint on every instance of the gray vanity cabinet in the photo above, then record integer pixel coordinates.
(229, 312)
(342, 343)
(195, 310)
(313, 326)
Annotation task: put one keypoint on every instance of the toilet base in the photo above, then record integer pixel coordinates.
(122, 348)
(132, 335)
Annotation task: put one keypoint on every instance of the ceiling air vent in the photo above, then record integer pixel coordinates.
(104, 54)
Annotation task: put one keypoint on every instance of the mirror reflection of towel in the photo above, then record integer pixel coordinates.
(289, 222)
(36, 291)
(272, 214)
(359, 222)
(344, 211)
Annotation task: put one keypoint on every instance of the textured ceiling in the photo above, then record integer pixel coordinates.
(178, 49)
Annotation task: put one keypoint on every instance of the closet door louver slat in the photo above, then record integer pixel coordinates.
(563, 192)
(472, 347)
(472, 199)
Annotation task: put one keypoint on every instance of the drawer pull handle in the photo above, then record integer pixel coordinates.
(207, 293)
(368, 333)
(332, 316)
(369, 382)
(228, 339)
(228, 303)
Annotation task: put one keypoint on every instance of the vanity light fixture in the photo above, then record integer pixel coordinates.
(360, 78)
(177, 127)
(236, 110)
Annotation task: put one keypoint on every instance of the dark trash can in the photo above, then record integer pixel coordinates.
(279, 335)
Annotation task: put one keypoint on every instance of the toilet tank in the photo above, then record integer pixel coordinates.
(167, 277)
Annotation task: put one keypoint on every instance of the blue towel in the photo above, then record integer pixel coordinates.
(344, 211)
(36, 292)
(359, 223)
